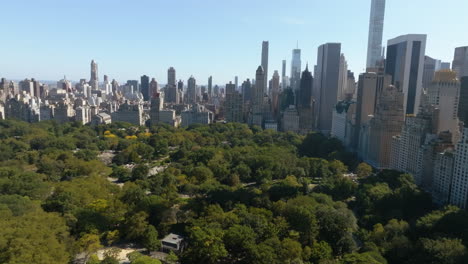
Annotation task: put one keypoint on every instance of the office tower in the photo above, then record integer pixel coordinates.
(145, 90)
(171, 76)
(153, 87)
(387, 122)
(275, 91)
(327, 84)
(370, 85)
(247, 91)
(343, 78)
(94, 81)
(463, 101)
(191, 90)
(460, 62)
(258, 96)
(210, 86)
(296, 69)
(265, 47)
(405, 63)
(430, 67)
(444, 66)
(305, 101)
(134, 84)
(376, 26)
(443, 93)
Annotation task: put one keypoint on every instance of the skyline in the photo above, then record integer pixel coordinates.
(231, 47)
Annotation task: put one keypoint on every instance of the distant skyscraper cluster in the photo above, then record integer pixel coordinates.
(407, 111)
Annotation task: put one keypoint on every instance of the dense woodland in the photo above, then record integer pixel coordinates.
(238, 195)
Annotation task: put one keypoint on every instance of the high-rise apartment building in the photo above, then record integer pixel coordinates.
(257, 97)
(387, 122)
(94, 81)
(405, 63)
(376, 25)
(326, 84)
(265, 48)
(370, 85)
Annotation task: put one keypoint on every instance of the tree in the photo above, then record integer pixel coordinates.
(150, 240)
(172, 258)
(206, 245)
(320, 251)
(89, 244)
(136, 226)
(442, 251)
(363, 170)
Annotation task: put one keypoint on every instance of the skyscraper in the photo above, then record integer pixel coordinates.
(94, 75)
(236, 82)
(405, 63)
(370, 85)
(275, 90)
(305, 101)
(376, 25)
(171, 76)
(443, 92)
(153, 88)
(387, 122)
(265, 47)
(296, 69)
(327, 84)
(257, 97)
(145, 87)
(283, 76)
(191, 90)
(460, 62)
(210, 86)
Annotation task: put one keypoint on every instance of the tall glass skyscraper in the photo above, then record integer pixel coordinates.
(296, 69)
(376, 25)
(405, 63)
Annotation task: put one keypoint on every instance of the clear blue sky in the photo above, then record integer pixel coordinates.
(47, 39)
